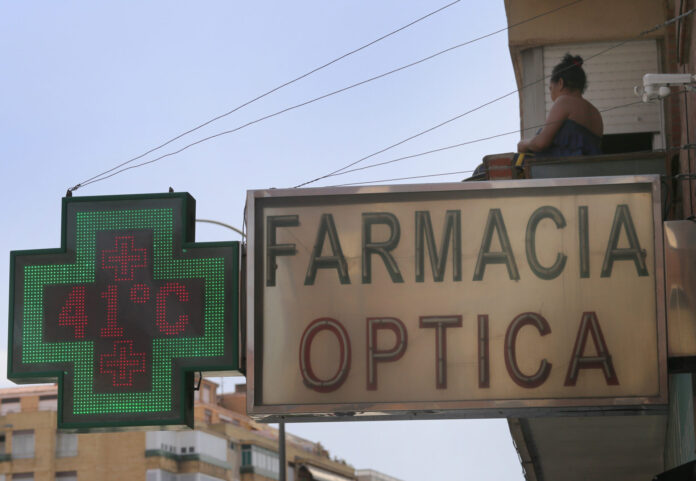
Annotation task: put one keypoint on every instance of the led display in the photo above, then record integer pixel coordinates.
(125, 312)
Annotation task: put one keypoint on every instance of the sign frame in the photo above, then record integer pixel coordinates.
(257, 199)
(184, 246)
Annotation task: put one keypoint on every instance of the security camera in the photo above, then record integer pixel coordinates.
(657, 85)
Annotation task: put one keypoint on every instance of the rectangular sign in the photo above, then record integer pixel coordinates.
(473, 299)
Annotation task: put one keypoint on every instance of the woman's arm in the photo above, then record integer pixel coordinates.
(559, 112)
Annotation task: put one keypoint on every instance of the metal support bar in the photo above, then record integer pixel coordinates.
(281, 450)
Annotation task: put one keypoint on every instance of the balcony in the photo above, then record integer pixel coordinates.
(508, 166)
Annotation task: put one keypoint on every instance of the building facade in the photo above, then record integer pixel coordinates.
(620, 42)
(225, 445)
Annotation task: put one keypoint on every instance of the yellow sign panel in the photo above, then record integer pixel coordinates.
(456, 299)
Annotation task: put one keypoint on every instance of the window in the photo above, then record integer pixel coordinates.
(23, 476)
(190, 449)
(66, 445)
(10, 405)
(23, 445)
(262, 460)
(48, 402)
(3, 445)
(206, 394)
(620, 143)
(66, 476)
(208, 414)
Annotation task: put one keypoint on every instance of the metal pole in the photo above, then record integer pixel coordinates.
(281, 450)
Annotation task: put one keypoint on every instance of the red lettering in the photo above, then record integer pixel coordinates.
(73, 312)
(124, 258)
(440, 323)
(311, 380)
(589, 324)
(139, 294)
(179, 290)
(374, 355)
(484, 369)
(112, 328)
(538, 378)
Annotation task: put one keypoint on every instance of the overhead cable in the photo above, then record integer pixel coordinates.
(404, 178)
(275, 89)
(103, 176)
(462, 144)
(430, 129)
(687, 147)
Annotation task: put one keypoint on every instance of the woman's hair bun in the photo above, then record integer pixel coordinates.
(576, 60)
(573, 78)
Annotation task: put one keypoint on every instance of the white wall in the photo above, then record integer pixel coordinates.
(161, 475)
(611, 77)
(201, 442)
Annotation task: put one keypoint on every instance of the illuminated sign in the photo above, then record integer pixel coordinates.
(472, 299)
(125, 312)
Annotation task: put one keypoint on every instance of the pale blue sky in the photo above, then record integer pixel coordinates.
(87, 85)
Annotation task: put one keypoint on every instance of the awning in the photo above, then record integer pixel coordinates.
(319, 474)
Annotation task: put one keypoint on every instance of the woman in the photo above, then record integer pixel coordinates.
(574, 126)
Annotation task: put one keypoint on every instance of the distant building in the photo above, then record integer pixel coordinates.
(225, 445)
(372, 475)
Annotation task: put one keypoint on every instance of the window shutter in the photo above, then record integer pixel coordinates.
(611, 77)
(23, 444)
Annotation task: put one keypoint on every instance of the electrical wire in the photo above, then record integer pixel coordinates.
(468, 142)
(687, 147)
(111, 172)
(404, 178)
(617, 45)
(275, 89)
(482, 139)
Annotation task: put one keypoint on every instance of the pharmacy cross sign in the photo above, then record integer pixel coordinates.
(125, 312)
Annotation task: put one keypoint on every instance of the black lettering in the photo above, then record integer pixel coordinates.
(452, 232)
(274, 250)
(495, 224)
(584, 241)
(622, 219)
(327, 228)
(382, 249)
(545, 212)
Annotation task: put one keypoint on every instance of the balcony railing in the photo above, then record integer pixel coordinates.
(508, 166)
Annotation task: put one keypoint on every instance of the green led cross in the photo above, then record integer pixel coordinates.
(75, 338)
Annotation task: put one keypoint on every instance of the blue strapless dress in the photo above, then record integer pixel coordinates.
(572, 139)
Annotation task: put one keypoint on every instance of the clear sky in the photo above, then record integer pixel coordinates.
(85, 86)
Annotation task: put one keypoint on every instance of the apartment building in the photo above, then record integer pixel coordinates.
(225, 445)
(620, 41)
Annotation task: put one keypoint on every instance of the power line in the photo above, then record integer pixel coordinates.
(102, 175)
(497, 99)
(404, 178)
(462, 144)
(265, 94)
(687, 147)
